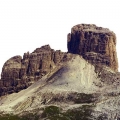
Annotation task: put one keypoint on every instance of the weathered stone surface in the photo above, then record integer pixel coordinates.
(10, 75)
(18, 73)
(95, 44)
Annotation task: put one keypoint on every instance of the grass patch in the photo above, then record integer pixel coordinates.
(51, 111)
(16, 117)
(55, 113)
(10, 117)
(81, 113)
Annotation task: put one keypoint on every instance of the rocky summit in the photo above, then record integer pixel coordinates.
(81, 84)
(95, 44)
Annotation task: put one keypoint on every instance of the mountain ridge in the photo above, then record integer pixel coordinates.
(85, 78)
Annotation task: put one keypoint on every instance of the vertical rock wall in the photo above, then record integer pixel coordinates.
(18, 73)
(95, 44)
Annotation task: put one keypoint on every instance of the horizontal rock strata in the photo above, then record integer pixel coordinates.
(95, 44)
(18, 73)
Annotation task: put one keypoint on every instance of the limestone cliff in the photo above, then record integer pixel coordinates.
(82, 84)
(95, 44)
(18, 73)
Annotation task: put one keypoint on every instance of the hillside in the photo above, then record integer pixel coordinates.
(52, 85)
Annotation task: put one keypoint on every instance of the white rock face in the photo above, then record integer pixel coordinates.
(77, 75)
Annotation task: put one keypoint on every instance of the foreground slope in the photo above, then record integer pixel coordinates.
(69, 86)
(67, 78)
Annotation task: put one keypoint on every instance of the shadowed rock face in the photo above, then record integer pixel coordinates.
(18, 73)
(95, 44)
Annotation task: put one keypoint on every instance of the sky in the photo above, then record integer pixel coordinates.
(28, 24)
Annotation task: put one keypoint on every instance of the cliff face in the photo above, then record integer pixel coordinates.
(95, 44)
(82, 84)
(18, 73)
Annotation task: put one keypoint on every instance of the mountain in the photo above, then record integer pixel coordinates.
(81, 84)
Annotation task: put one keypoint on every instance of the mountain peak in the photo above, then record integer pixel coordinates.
(87, 39)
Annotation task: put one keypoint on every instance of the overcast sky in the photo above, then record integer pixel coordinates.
(28, 24)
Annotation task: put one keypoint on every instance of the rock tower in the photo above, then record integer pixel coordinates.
(95, 44)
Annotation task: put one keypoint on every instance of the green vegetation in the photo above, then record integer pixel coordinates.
(81, 113)
(51, 111)
(55, 113)
(16, 117)
(10, 117)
